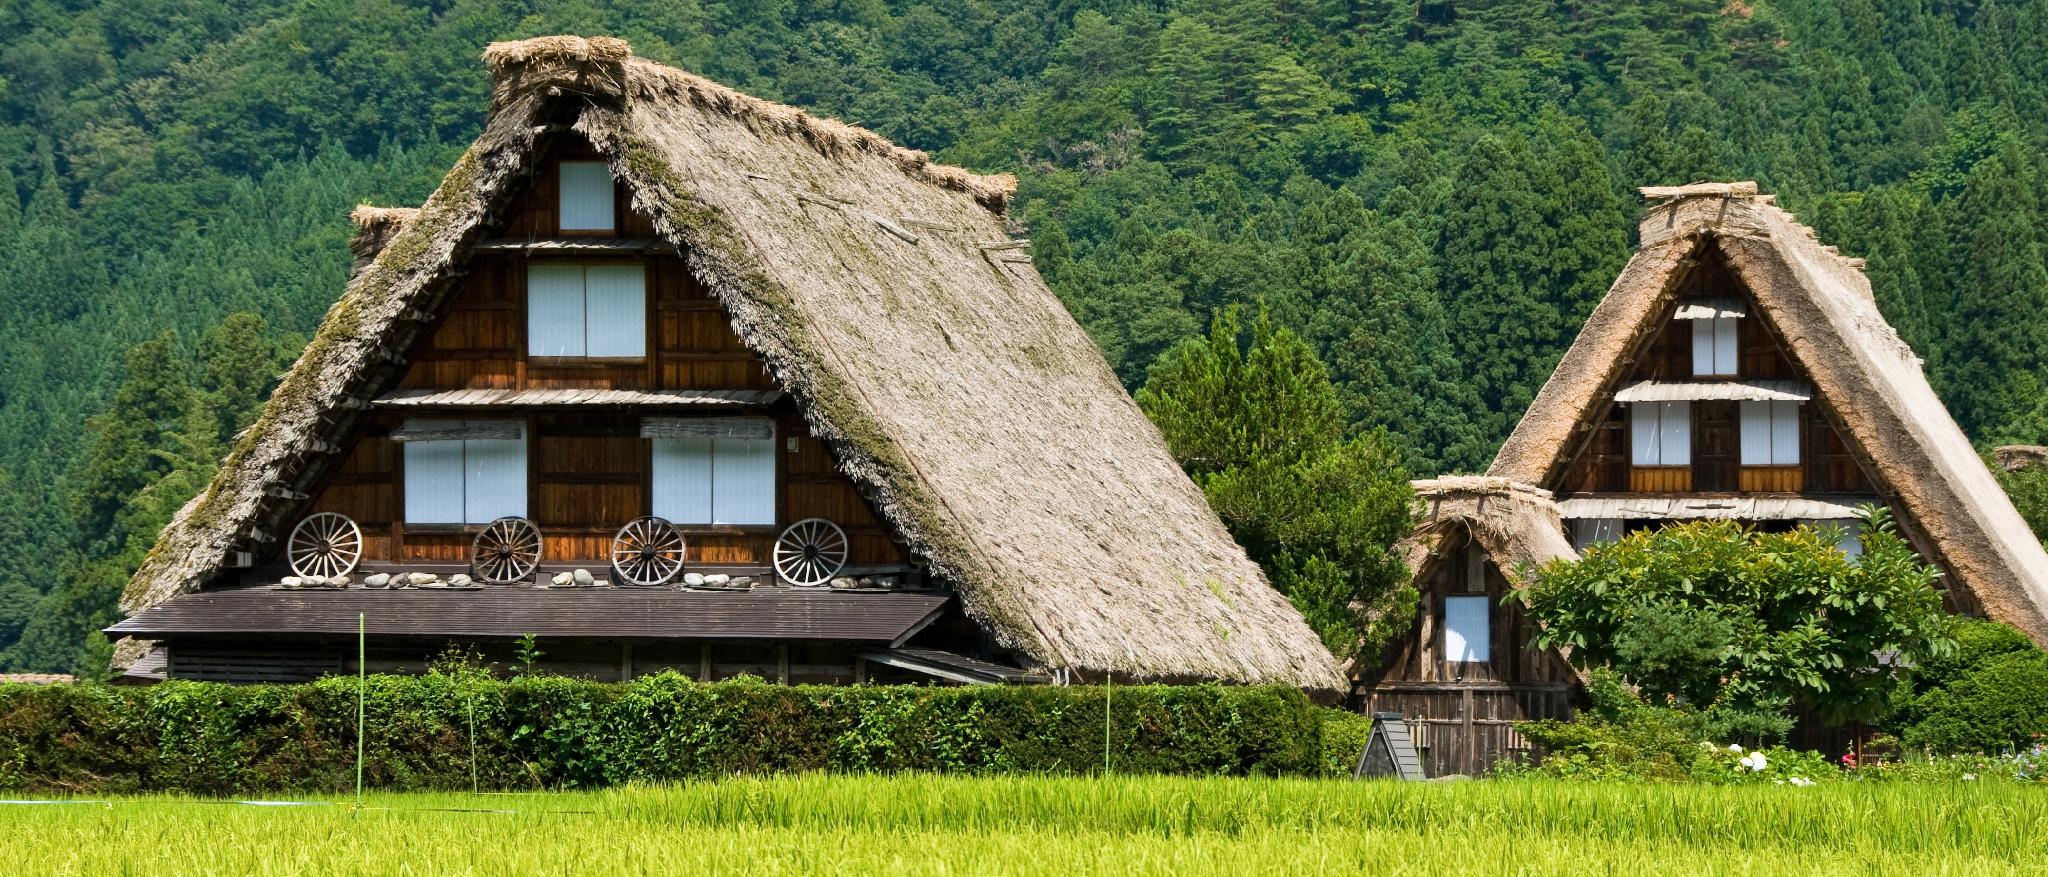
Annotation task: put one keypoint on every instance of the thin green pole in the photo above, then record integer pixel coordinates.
(362, 686)
(1108, 682)
(470, 700)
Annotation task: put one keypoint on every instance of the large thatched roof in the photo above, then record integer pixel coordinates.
(889, 302)
(1820, 304)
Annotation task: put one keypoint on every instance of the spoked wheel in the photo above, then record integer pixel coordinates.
(507, 551)
(647, 552)
(326, 545)
(810, 552)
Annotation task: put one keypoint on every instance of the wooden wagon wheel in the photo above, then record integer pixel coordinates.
(325, 544)
(648, 551)
(507, 551)
(810, 552)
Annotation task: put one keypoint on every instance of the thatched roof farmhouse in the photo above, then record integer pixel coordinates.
(1800, 319)
(887, 316)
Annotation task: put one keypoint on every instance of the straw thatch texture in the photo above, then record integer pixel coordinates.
(919, 343)
(2013, 458)
(375, 227)
(1820, 304)
(1516, 523)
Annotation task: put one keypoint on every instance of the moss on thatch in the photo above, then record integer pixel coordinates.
(970, 408)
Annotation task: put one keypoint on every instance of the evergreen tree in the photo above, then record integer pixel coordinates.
(1256, 422)
(150, 405)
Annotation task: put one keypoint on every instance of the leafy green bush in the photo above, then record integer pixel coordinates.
(445, 730)
(1742, 623)
(1623, 738)
(1344, 736)
(1989, 696)
(1999, 706)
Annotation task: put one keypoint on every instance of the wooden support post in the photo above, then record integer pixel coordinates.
(704, 663)
(860, 670)
(782, 664)
(625, 662)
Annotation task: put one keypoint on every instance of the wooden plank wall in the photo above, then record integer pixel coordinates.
(590, 474)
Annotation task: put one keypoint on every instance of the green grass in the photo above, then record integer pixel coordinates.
(1137, 825)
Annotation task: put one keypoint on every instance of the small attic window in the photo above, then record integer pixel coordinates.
(1714, 346)
(586, 196)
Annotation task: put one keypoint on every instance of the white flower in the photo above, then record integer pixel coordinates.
(1734, 747)
(1968, 777)
(1801, 782)
(1755, 761)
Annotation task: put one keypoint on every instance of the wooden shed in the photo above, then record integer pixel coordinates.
(1467, 671)
(670, 377)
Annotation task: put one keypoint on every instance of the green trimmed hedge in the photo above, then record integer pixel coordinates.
(554, 732)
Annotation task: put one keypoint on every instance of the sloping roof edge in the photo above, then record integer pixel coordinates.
(1822, 305)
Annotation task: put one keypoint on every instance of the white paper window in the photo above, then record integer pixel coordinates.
(1467, 633)
(586, 196)
(1851, 542)
(1587, 532)
(703, 480)
(1714, 346)
(1660, 433)
(463, 481)
(586, 310)
(1770, 433)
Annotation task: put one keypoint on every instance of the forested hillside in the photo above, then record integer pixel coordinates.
(1434, 194)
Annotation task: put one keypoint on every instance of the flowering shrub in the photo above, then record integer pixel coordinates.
(2028, 765)
(1623, 738)
(1733, 764)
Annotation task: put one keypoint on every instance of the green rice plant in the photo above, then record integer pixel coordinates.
(926, 824)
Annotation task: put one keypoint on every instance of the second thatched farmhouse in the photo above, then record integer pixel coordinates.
(669, 377)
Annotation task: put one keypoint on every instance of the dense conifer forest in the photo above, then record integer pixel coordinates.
(1431, 193)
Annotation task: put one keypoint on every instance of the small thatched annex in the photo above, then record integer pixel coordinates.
(1466, 671)
(1739, 368)
(857, 312)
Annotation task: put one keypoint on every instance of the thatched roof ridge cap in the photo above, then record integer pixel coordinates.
(1739, 189)
(1450, 485)
(501, 57)
(556, 59)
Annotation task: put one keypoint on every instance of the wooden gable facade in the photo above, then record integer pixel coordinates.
(588, 469)
(1467, 668)
(1680, 362)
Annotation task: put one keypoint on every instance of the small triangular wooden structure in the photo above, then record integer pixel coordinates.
(1389, 752)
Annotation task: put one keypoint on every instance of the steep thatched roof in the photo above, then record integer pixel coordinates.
(1515, 523)
(1820, 304)
(888, 301)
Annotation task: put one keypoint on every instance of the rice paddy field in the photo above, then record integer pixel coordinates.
(1022, 825)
